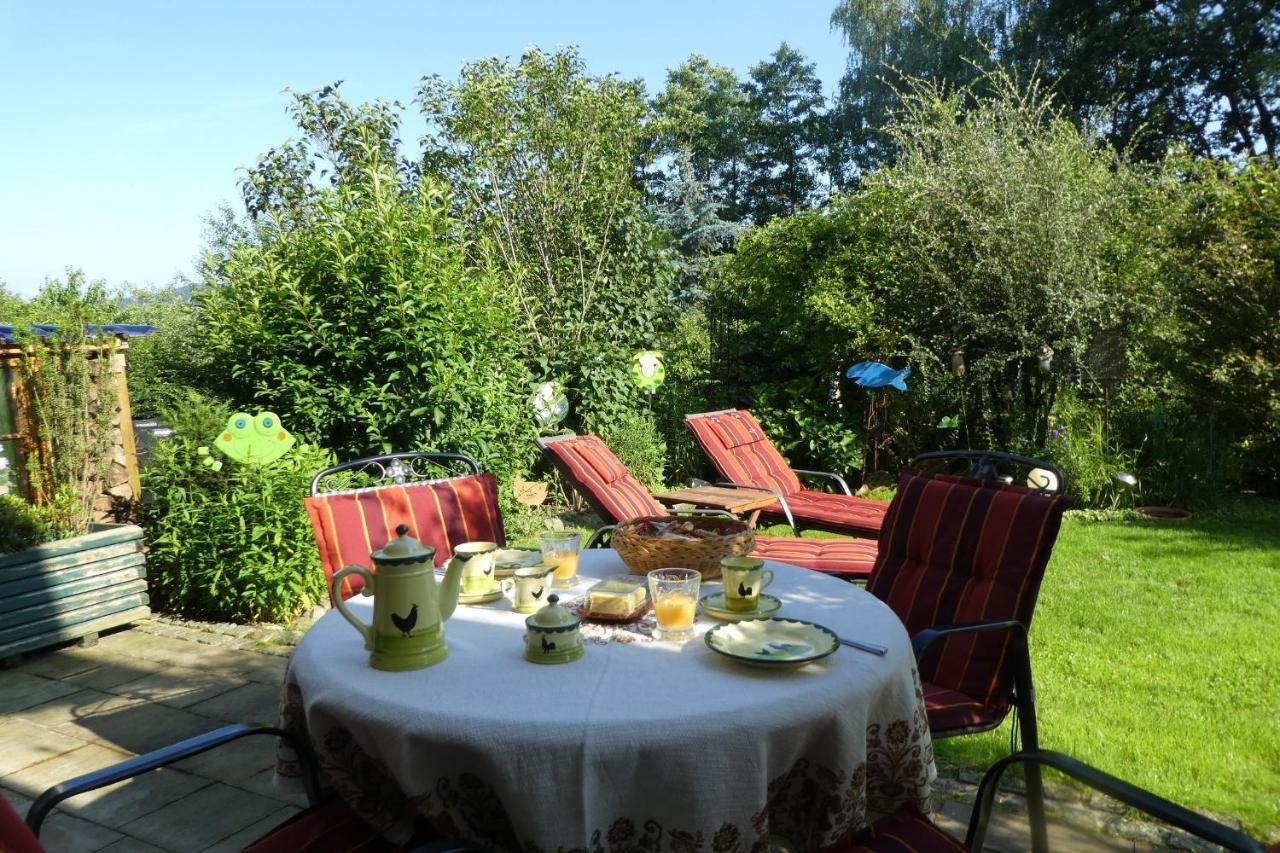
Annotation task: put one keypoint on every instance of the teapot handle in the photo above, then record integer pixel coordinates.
(335, 587)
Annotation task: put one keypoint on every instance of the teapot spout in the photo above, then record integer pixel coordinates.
(448, 597)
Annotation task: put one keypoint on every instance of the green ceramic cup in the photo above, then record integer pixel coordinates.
(744, 579)
(527, 587)
(477, 559)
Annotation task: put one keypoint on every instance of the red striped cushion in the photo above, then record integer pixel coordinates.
(850, 558)
(15, 837)
(741, 452)
(328, 828)
(955, 550)
(951, 709)
(904, 831)
(596, 471)
(855, 515)
(350, 526)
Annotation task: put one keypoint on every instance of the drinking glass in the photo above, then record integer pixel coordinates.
(560, 549)
(675, 601)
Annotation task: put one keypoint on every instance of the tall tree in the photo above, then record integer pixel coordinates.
(889, 42)
(689, 209)
(787, 135)
(703, 111)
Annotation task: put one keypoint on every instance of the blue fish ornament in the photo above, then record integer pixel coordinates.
(873, 374)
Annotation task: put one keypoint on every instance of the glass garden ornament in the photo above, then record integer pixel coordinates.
(550, 405)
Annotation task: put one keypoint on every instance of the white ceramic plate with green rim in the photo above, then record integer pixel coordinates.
(715, 606)
(772, 643)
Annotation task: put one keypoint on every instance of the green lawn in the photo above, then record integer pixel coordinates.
(1156, 656)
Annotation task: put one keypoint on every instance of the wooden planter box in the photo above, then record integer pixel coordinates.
(72, 588)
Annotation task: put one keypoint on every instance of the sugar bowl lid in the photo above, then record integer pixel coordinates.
(403, 549)
(554, 616)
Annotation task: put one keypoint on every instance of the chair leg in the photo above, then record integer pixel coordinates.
(1025, 705)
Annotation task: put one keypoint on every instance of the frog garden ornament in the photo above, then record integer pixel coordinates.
(409, 609)
(254, 439)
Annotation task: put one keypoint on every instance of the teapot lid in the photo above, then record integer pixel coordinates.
(553, 615)
(404, 549)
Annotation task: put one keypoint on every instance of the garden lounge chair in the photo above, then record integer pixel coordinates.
(327, 825)
(350, 524)
(744, 457)
(960, 561)
(599, 475)
(907, 830)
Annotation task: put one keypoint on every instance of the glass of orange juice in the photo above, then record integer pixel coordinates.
(675, 601)
(560, 549)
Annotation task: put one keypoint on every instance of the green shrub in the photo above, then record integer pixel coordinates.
(21, 525)
(634, 438)
(352, 310)
(231, 545)
(810, 431)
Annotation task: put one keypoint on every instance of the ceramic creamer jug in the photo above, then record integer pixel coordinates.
(409, 609)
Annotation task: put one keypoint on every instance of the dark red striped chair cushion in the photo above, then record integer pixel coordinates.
(904, 831)
(330, 828)
(15, 837)
(603, 479)
(955, 550)
(350, 526)
(847, 558)
(857, 515)
(741, 452)
(951, 709)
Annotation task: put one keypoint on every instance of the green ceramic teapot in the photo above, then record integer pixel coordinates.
(409, 609)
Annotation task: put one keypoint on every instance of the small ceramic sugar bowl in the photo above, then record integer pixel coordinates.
(552, 635)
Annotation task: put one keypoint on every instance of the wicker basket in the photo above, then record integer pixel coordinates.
(643, 554)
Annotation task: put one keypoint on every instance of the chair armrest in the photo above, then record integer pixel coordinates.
(167, 755)
(601, 537)
(922, 640)
(839, 480)
(1127, 793)
(782, 499)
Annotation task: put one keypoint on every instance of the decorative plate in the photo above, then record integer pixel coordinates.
(772, 642)
(479, 598)
(715, 606)
(507, 560)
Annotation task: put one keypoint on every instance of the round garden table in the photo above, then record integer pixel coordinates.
(640, 745)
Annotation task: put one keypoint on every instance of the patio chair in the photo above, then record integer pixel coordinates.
(745, 458)
(908, 830)
(960, 562)
(610, 489)
(351, 524)
(327, 825)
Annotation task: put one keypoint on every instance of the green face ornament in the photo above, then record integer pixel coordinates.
(254, 440)
(647, 371)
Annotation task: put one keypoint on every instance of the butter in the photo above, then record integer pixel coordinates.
(616, 597)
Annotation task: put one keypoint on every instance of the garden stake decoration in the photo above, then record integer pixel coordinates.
(254, 440)
(647, 370)
(874, 375)
(549, 403)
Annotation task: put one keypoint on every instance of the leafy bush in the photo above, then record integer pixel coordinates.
(634, 438)
(810, 431)
(232, 545)
(353, 311)
(21, 525)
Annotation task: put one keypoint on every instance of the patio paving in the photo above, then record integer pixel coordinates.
(75, 709)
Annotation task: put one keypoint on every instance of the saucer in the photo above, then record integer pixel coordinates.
(715, 606)
(507, 560)
(772, 643)
(480, 597)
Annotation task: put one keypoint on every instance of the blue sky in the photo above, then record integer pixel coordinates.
(124, 124)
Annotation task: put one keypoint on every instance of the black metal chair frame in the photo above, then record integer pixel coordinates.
(986, 465)
(1127, 793)
(168, 755)
(399, 468)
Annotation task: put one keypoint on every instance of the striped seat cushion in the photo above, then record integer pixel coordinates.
(741, 452)
(848, 558)
(950, 709)
(604, 480)
(904, 831)
(955, 550)
(856, 515)
(331, 827)
(350, 526)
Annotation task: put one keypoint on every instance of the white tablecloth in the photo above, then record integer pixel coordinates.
(640, 745)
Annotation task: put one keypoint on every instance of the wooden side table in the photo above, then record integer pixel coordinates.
(735, 501)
